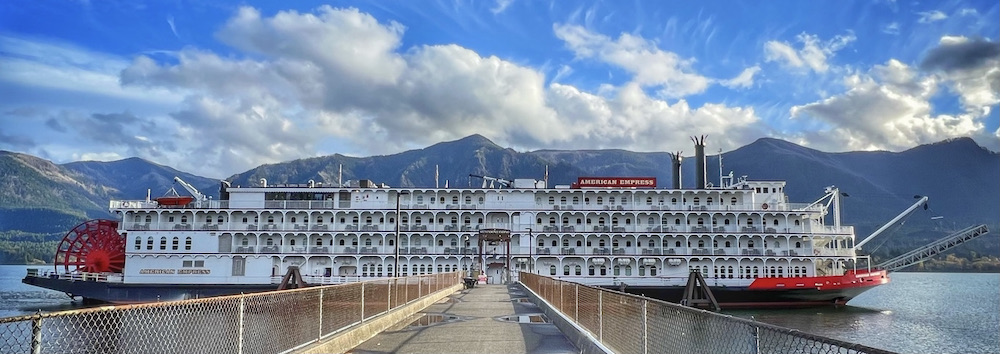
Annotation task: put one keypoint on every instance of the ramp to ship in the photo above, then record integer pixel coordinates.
(930, 250)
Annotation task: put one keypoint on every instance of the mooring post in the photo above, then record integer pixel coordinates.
(36, 333)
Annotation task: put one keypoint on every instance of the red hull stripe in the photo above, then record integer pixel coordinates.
(846, 281)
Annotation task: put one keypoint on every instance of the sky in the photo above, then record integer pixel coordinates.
(216, 88)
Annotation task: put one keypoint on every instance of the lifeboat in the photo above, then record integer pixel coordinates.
(174, 200)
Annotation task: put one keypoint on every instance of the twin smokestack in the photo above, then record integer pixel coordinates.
(700, 163)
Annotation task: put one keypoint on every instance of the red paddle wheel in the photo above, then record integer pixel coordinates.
(92, 247)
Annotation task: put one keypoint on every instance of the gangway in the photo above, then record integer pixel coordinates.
(922, 253)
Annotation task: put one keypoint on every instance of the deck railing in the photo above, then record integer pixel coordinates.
(628, 323)
(267, 322)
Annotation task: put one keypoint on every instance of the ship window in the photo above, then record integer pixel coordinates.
(588, 243)
(270, 219)
(187, 244)
(170, 219)
(552, 221)
(590, 270)
(293, 219)
(538, 221)
(149, 243)
(651, 220)
(726, 222)
(245, 242)
(628, 243)
(579, 220)
(244, 220)
(628, 221)
(600, 200)
(562, 200)
(677, 244)
(392, 242)
(798, 245)
(797, 223)
(614, 243)
(319, 242)
(552, 270)
(709, 201)
(454, 220)
(604, 270)
(418, 220)
(586, 200)
(611, 200)
(624, 201)
(618, 270)
(353, 220)
(600, 243)
(697, 200)
(187, 264)
(554, 243)
(291, 242)
(199, 264)
(600, 221)
(552, 200)
(184, 219)
(652, 271)
(673, 201)
(480, 220)
(715, 244)
(775, 222)
(416, 241)
(642, 270)
(576, 200)
(729, 244)
(541, 243)
(149, 218)
(565, 243)
(701, 243)
(175, 244)
(614, 221)
(579, 243)
(219, 219)
(750, 244)
(440, 221)
(454, 242)
(163, 243)
(566, 269)
(777, 244)
(701, 221)
(440, 242)
(677, 221)
(649, 200)
(732, 200)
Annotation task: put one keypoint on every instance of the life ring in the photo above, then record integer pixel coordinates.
(763, 206)
(816, 252)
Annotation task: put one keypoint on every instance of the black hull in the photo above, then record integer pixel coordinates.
(120, 293)
(741, 297)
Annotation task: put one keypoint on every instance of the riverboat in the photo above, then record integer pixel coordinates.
(749, 243)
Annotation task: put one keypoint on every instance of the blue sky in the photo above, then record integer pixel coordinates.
(219, 88)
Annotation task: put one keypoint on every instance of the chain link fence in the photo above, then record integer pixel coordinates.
(628, 323)
(268, 322)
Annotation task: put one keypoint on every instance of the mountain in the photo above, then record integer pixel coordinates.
(960, 177)
(38, 196)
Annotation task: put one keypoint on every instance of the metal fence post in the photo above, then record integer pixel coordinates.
(645, 327)
(388, 296)
(36, 334)
(362, 302)
(320, 314)
(600, 316)
(576, 313)
(239, 332)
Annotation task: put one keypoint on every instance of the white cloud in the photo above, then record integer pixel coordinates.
(650, 66)
(891, 28)
(813, 53)
(743, 80)
(501, 5)
(931, 16)
(968, 12)
(887, 108)
(365, 93)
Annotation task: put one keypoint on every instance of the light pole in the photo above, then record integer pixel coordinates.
(395, 258)
(531, 247)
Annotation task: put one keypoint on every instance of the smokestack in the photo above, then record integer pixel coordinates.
(701, 165)
(676, 159)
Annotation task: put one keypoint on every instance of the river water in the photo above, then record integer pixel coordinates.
(914, 313)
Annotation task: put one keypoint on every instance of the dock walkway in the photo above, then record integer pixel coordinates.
(485, 319)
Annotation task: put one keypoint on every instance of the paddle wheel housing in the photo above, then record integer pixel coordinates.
(94, 246)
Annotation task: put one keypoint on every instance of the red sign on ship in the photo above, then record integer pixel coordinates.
(615, 182)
